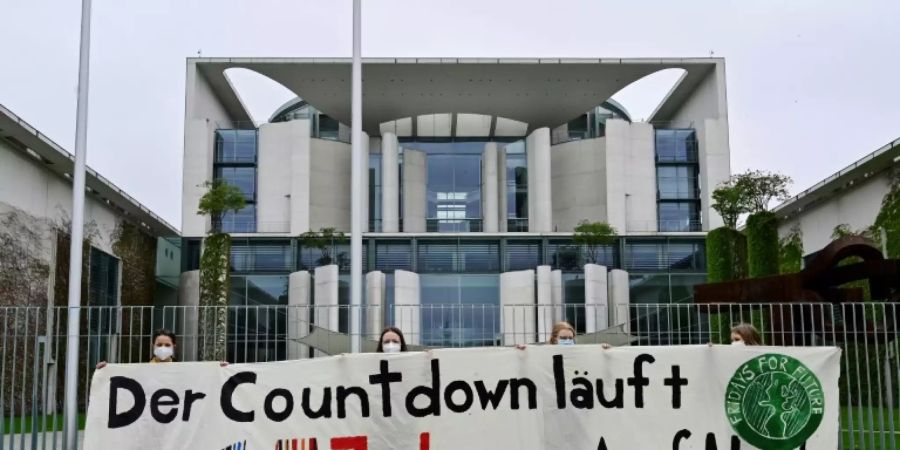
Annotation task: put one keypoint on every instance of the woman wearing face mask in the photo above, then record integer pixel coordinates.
(391, 341)
(164, 342)
(745, 334)
(163, 348)
(563, 333)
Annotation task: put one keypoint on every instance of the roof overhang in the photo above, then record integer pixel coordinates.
(868, 166)
(539, 92)
(56, 159)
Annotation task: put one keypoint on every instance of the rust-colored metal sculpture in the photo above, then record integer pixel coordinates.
(819, 285)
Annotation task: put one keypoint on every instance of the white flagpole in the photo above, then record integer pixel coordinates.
(358, 166)
(70, 435)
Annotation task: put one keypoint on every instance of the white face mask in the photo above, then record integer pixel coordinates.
(566, 341)
(163, 353)
(738, 343)
(391, 347)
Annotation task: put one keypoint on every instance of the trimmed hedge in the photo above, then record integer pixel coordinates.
(726, 255)
(762, 244)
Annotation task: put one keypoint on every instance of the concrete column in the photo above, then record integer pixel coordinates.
(546, 315)
(415, 203)
(300, 163)
(199, 152)
(278, 142)
(326, 297)
(517, 304)
(298, 314)
(630, 176)
(365, 184)
(489, 189)
(390, 183)
(540, 209)
(715, 167)
(374, 312)
(188, 322)
(619, 298)
(556, 295)
(407, 306)
(596, 305)
(502, 191)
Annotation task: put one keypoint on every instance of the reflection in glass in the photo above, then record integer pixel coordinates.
(257, 320)
(460, 310)
(236, 146)
(676, 145)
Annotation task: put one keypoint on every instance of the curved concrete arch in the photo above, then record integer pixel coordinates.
(258, 94)
(642, 97)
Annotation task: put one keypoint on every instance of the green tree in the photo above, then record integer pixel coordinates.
(324, 240)
(593, 235)
(730, 202)
(760, 187)
(220, 198)
(215, 270)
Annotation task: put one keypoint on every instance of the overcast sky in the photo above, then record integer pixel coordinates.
(813, 85)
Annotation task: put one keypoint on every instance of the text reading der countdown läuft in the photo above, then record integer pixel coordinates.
(544, 397)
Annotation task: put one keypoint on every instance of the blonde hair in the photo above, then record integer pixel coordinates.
(557, 327)
(748, 333)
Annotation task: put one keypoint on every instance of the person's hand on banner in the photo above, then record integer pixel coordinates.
(101, 365)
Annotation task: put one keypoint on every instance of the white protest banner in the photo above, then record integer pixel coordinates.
(543, 397)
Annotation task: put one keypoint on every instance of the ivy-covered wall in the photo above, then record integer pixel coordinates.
(762, 244)
(790, 252)
(214, 285)
(888, 218)
(726, 255)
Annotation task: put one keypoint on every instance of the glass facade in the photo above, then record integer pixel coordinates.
(677, 180)
(257, 321)
(460, 310)
(235, 164)
(453, 184)
(453, 271)
(516, 187)
(589, 125)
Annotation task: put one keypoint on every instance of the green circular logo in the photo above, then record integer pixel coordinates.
(774, 402)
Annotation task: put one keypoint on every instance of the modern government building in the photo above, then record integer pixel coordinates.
(479, 170)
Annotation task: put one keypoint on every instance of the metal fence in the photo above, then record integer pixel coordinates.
(33, 346)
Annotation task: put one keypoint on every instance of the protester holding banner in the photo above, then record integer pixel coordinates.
(745, 334)
(164, 343)
(391, 341)
(563, 333)
(163, 348)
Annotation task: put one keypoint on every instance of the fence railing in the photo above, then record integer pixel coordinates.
(33, 345)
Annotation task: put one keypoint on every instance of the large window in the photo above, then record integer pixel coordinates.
(677, 180)
(257, 320)
(460, 310)
(375, 192)
(679, 145)
(454, 192)
(458, 256)
(678, 216)
(235, 164)
(516, 187)
(236, 146)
